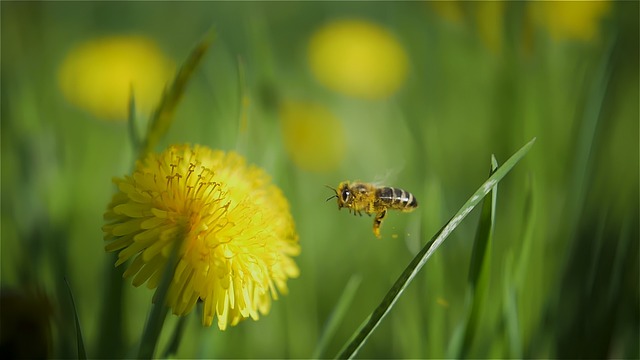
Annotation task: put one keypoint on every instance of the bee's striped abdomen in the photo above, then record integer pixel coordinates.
(396, 198)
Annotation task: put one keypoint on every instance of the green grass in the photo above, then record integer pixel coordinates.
(478, 268)
(82, 353)
(550, 270)
(163, 116)
(338, 314)
(482, 239)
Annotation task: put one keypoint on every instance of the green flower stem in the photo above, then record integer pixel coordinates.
(159, 309)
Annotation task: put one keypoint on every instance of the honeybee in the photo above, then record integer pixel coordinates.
(359, 197)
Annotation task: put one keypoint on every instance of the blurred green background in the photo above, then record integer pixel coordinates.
(470, 80)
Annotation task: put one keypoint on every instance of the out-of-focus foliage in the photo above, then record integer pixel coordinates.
(571, 19)
(416, 95)
(313, 137)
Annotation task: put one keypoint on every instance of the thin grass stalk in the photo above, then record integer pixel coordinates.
(511, 319)
(82, 354)
(337, 315)
(111, 337)
(478, 280)
(515, 274)
(243, 107)
(586, 137)
(176, 338)
(132, 123)
(163, 115)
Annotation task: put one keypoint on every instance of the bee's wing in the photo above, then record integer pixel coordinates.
(388, 177)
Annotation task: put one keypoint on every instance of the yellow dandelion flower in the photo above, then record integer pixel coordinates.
(99, 75)
(313, 137)
(579, 20)
(234, 230)
(358, 58)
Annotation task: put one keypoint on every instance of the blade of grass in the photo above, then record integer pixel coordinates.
(111, 338)
(371, 323)
(510, 313)
(243, 95)
(484, 233)
(337, 315)
(132, 123)
(437, 282)
(159, 310)
(587, 133)
(515, 275)
(82, 354)
(172, 349)
(163, 115)
(529, 220)
(243, 108)
(478, 270)
(526, 276)
(624, 247)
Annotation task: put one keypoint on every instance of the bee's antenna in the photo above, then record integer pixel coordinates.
(333, 196)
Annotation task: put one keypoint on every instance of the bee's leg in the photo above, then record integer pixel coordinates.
(371, 208)
(378, 221)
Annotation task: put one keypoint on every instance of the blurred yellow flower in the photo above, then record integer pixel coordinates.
(449, 10)
(490, 23)
(314, 138)
(99, 75)
(235, 233)
(358, 58)
(579, 20)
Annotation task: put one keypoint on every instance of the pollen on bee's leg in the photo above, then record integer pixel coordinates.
(376, 230)
(377, 222)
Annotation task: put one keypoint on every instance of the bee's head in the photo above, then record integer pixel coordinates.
(343, 194)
